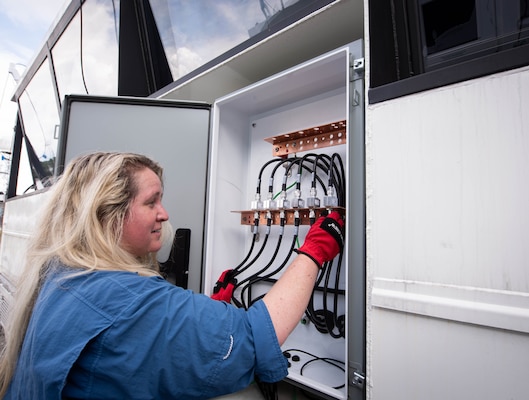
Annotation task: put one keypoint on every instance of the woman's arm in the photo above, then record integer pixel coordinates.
(287, 300)
(290, 295)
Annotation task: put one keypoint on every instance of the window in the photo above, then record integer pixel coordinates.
(86, 56)
(38, 109)
(421, 44)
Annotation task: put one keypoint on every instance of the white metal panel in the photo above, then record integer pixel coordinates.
(448, 188)
(21, 216)
(420, 358)
(448, 309)
(20, 220)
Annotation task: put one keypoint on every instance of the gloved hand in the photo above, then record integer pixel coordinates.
(324, 239)
(224, 287)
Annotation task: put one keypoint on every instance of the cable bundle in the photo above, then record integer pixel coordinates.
(326, 173)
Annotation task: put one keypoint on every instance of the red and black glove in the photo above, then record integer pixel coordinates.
(223, 290)
(325, 239)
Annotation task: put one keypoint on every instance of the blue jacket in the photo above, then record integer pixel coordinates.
(118, 335)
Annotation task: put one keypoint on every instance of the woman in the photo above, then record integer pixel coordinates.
(93, 318)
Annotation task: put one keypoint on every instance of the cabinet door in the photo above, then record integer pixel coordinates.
(173, 133)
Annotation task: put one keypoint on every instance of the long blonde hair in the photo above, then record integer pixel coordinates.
(81, 226)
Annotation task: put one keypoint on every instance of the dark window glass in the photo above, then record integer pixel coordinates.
(417, 45)
(40, 116)
(448, 23)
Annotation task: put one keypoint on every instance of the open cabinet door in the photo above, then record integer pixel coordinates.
(173, 133)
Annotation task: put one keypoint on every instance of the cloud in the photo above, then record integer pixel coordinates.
(24, 26)
(32, 15)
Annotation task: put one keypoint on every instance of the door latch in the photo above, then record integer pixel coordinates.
(358, 380)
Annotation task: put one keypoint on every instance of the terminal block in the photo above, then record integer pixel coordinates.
(309, 139)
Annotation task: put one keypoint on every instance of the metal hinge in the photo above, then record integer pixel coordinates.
(358, 65)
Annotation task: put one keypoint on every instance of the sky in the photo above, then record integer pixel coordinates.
(24, 26)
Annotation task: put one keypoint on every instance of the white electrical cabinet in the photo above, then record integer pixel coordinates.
(264, 138)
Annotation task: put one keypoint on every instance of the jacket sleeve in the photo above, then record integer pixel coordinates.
(187, 345)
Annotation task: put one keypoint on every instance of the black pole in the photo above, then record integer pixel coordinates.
(143, 65)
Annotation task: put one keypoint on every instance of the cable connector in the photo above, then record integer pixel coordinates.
(282, 222)
(312, 216)
(268, 222)
(297, 201)
(312, 200)
(297, 221)
(256, 204)
(270, 203)
(330, 199)
(283, 202)
(255, 226)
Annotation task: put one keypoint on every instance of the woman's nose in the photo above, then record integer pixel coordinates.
(162, 214)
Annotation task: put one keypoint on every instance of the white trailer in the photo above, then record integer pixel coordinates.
(435, 288)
